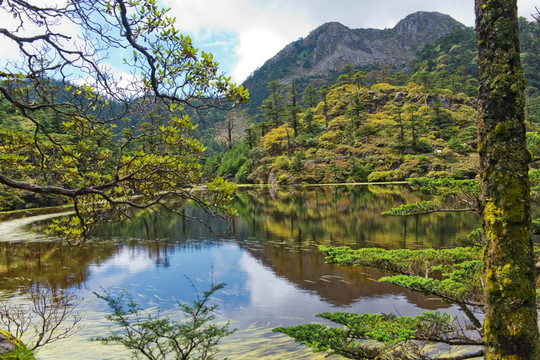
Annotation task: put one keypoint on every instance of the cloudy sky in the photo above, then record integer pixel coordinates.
(243, 34)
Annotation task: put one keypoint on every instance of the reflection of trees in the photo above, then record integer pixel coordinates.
(53, 264)
(338, 285)
(334, 215)
(347, 216)
(57, 265)
(152, 225)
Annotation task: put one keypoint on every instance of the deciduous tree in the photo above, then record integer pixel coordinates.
(69, 51)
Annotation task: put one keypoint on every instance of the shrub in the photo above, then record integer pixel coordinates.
(359, 171)
(455, 144)
(282, 163)
(389, 175)
(243, 173)
(232, 161)
(283, 179)
(155, 337)
(463, 174)
(298, 162)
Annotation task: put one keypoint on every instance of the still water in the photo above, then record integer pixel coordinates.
(274, 274)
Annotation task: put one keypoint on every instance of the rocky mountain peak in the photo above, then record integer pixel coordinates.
(420, 23)
(333, 45)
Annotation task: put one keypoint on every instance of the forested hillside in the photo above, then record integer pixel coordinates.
(377, 133)
(378, 126)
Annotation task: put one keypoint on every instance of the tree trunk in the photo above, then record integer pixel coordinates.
(510, 328)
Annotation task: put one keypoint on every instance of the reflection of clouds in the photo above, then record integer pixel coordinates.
(274, 301)
(266, 289)
(130, 261)
(113, 272)
(225, 266)
(278, 302)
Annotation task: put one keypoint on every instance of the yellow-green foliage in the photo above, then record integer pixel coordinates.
(282, 163)
(386, 130)
(386, 88)
(388, 175)
(330, 139)
(463, 114)
(276, 139)
(20, 352)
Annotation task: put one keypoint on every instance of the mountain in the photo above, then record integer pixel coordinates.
(318, 58)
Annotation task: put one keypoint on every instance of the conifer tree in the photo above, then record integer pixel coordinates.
(273, 108)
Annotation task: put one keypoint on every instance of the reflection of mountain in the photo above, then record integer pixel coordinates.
(347, 216)
(338, 285)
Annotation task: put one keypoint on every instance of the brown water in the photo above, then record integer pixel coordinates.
(275, 276)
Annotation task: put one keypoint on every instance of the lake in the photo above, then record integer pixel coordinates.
(275, 276)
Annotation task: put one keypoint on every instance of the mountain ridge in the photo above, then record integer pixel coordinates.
(331, 46)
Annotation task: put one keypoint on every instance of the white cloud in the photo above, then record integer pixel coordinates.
(121, 83)
(527, 7)
(255, 46)
(258, 29)
(22, 26)
(218, 43)
(262, 27)
(265, 27)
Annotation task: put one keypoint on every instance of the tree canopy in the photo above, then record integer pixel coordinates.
(97, 92)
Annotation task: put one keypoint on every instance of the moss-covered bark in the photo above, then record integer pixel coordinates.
(511, 330)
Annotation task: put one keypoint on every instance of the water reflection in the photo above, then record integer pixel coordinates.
(346, 216)
(274, 274)
(336, 285)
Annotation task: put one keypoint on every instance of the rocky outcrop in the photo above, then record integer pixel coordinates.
(333, 45)
(8, 343)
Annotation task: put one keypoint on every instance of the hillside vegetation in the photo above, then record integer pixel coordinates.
(377, 133)
(381, 125)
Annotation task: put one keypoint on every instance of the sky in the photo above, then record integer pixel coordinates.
(243, 34)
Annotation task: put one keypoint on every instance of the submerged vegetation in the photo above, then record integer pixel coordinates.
(158, 337)
(451, 274)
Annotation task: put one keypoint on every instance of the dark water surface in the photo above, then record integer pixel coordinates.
(275, 276)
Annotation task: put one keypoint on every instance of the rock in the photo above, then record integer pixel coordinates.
(7, 342)
(331, 46)
(399, 96)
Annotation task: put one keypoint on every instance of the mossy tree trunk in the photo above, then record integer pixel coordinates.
(510, 328)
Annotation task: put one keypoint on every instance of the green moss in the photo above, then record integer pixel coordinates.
(501, 130)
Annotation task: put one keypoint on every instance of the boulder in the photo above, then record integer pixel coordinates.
(8, 343)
